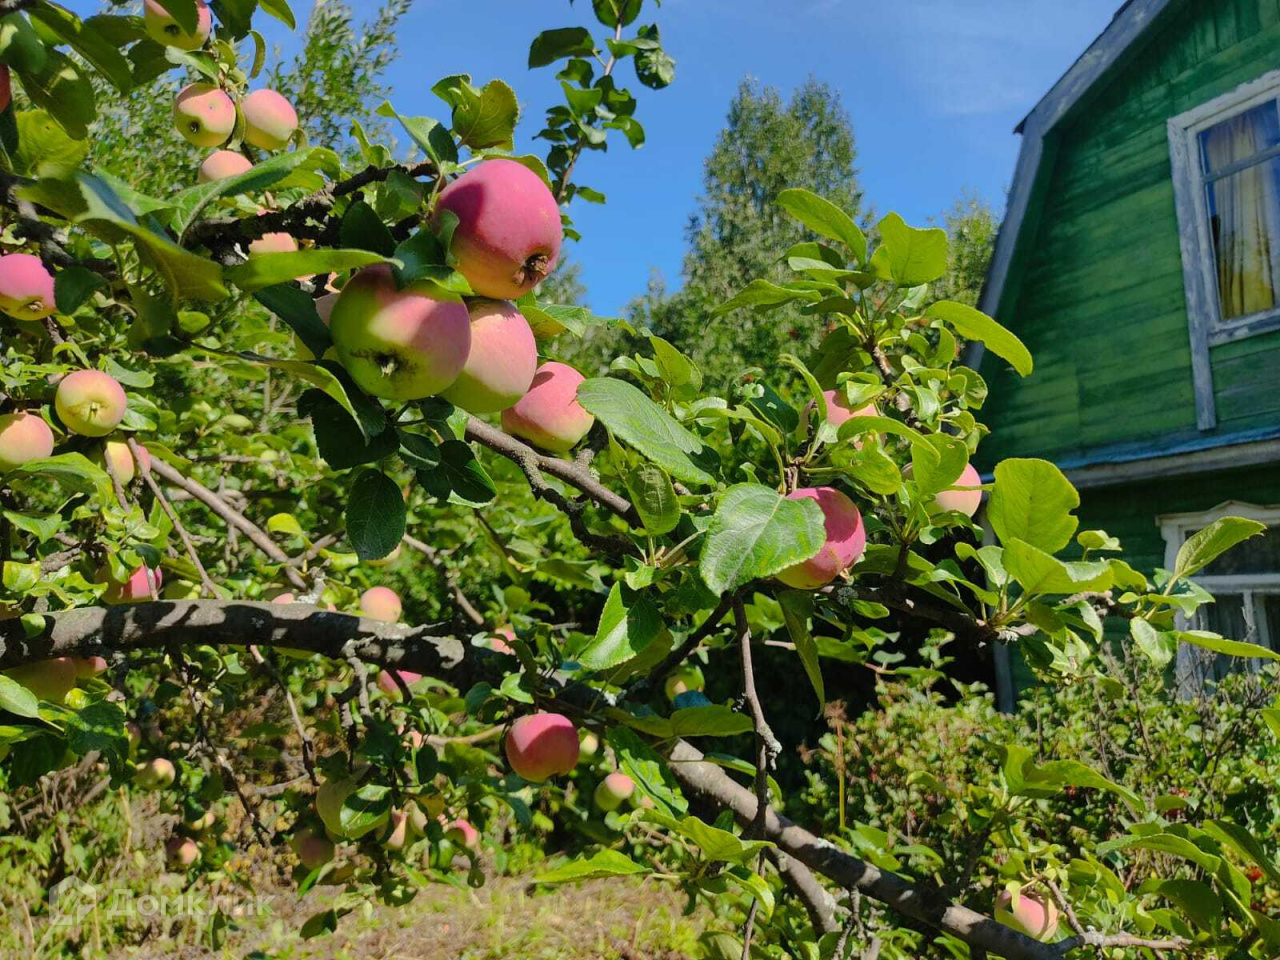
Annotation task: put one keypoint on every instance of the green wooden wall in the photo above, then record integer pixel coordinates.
(1097, 290)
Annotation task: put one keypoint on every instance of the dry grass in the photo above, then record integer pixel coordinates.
(622, 919)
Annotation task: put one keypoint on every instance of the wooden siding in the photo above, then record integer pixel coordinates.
(1098, 294)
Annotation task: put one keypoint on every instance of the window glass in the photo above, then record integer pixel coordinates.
(1225, 616)
(1244, 221)
(1240, 137)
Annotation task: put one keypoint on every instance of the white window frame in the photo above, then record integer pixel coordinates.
(1175, 528)
(1204, 318)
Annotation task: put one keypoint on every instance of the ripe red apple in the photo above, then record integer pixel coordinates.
(134, 590)
(541, 745)
(1036, 917)
(838, 409)
(222, 164)
(90, 402)
(26, 287)
(508, 236)
(846, 539)
(23, 437)
(381, 603)
(549, 415)
(500, 642)
(613, 790)
(399, 344)
(275, 242)
(269, 119)
(204, 114)
(502, 362)
(166, 31)
(963, 501)
(181, 853)
(155, 774)
(120, 457)
(388, 685)
(49, 680)
(684, 680)
(312, 848)
(397, 831)
(463, 834)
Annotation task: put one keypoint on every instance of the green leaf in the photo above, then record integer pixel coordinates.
(654, 498)
(628, 624)
(339, 437)
(90, 201)
(1156, 646)
(331, 380)
(297, 308)
(1195, 898)
(429, 134)
(89, 43)
(375, 515)
(1033, 502)
(655, 68)
(613, 13)
(642, 764)
(1245, 843)
(459, 478)
(263, 270)
(797, 608)
(756, 533)
(362, 229)
(44, 148)
(280, 10)
(17, 699)
(641, 423)
(63, 89)
(606, 863)
(1271, 717)
(549, 320)
(1231, 648)
(99, 726)
(73, 471)
(824, 218)
(481, 118)
(975, 325)
(1039, 573)
(764, 295)
(1210, 543)
(1163, 843)
(913, 256)
(296, 168)
(716, 845)
(73, 286)
(552, 45)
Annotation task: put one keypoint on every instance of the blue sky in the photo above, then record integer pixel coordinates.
(934, 88)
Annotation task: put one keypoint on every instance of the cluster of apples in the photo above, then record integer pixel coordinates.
(402, 344)
(846, 537)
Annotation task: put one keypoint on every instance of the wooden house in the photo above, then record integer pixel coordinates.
(1140, 262)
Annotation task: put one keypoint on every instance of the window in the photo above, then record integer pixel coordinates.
(1245, 582)
(1226, 177)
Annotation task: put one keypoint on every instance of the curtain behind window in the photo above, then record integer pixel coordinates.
(1244, 208)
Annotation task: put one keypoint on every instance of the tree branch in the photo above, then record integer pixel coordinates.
(911, 900)
(233, 517)
(572, 473)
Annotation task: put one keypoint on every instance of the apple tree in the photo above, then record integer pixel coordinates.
(296, 427)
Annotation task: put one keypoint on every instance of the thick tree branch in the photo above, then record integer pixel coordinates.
(909, 899)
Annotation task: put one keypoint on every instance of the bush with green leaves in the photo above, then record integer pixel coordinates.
(227, 443)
